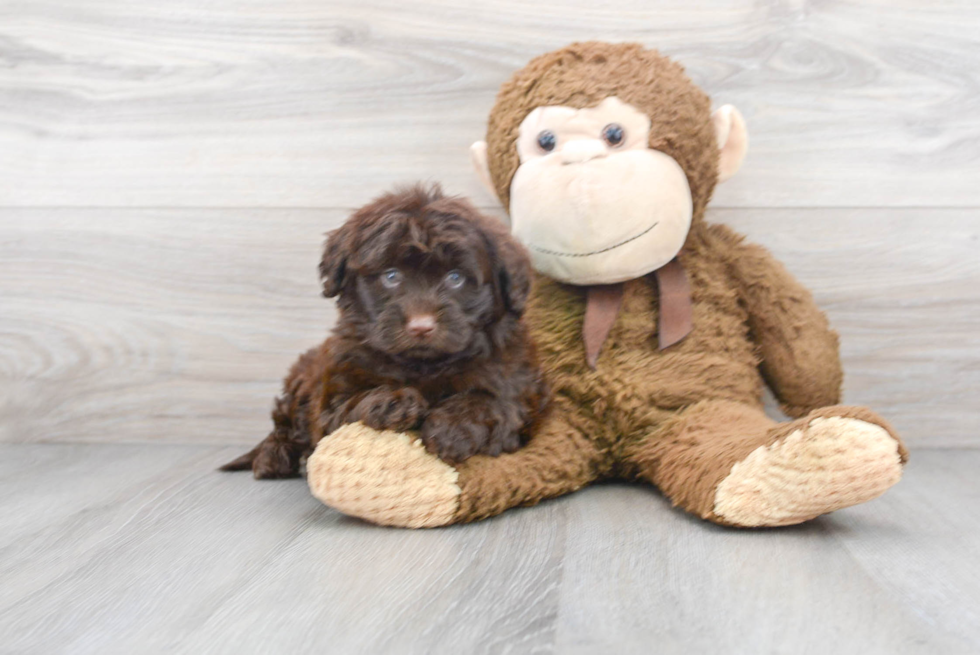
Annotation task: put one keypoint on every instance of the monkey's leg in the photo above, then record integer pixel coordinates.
(390, 479)
(729, 463)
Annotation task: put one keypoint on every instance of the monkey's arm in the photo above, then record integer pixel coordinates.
(800, 358)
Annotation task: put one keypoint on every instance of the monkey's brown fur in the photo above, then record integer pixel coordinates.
(679, 418)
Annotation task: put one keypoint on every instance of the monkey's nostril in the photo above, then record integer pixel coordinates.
(420, 325)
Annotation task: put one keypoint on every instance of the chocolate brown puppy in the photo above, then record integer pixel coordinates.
(429, 337)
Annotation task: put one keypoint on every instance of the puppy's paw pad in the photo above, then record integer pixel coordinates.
(384, 477)
(827, 464)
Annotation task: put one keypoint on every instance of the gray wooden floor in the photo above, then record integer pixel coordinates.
(167, 172)
(128, 548)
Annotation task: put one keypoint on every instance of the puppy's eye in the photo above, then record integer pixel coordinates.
(547, 140)
(392, 278)
(613, 134)
(455, 279)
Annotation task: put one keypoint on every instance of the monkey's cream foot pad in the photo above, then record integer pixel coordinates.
(828, 464)
(384, 477)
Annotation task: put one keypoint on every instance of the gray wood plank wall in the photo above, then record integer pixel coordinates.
(167, 170)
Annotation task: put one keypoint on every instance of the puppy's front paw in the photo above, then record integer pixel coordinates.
(392, 409)
(456, 436)
(453, 438)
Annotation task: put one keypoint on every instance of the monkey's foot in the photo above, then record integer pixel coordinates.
(821, 465)
(384, 477)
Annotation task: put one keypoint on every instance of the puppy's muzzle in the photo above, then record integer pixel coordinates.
(421, 326)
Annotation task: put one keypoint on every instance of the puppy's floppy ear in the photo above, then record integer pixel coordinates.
(512, 268)
(333, 266)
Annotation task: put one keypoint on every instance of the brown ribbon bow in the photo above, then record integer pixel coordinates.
(602, 303)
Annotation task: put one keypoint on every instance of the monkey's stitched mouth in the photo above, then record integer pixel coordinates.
(594, 252)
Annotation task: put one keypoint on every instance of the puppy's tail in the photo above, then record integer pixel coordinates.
(242, 462)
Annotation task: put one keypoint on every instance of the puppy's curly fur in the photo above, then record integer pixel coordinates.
(429, 337)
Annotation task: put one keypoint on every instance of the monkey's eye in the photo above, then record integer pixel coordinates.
(613, 134)
(547, 140)
(455, 279)
(392, 278)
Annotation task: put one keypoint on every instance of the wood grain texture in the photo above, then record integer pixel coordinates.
(305, 103)
(869, 579)
(178, 325)
(167, 172)
(116, 548)
(123, 325)
(135, 548)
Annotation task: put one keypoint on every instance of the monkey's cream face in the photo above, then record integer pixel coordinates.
(591, 201)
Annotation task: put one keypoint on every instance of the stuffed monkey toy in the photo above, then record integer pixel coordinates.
(656, 329)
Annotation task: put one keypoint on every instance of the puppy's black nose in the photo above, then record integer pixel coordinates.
(421, 325)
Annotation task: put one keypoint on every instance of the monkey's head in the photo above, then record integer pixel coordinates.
(605, 155)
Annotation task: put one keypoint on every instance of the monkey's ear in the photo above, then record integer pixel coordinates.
(733, 140)
(333, 266)
(478, 152)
